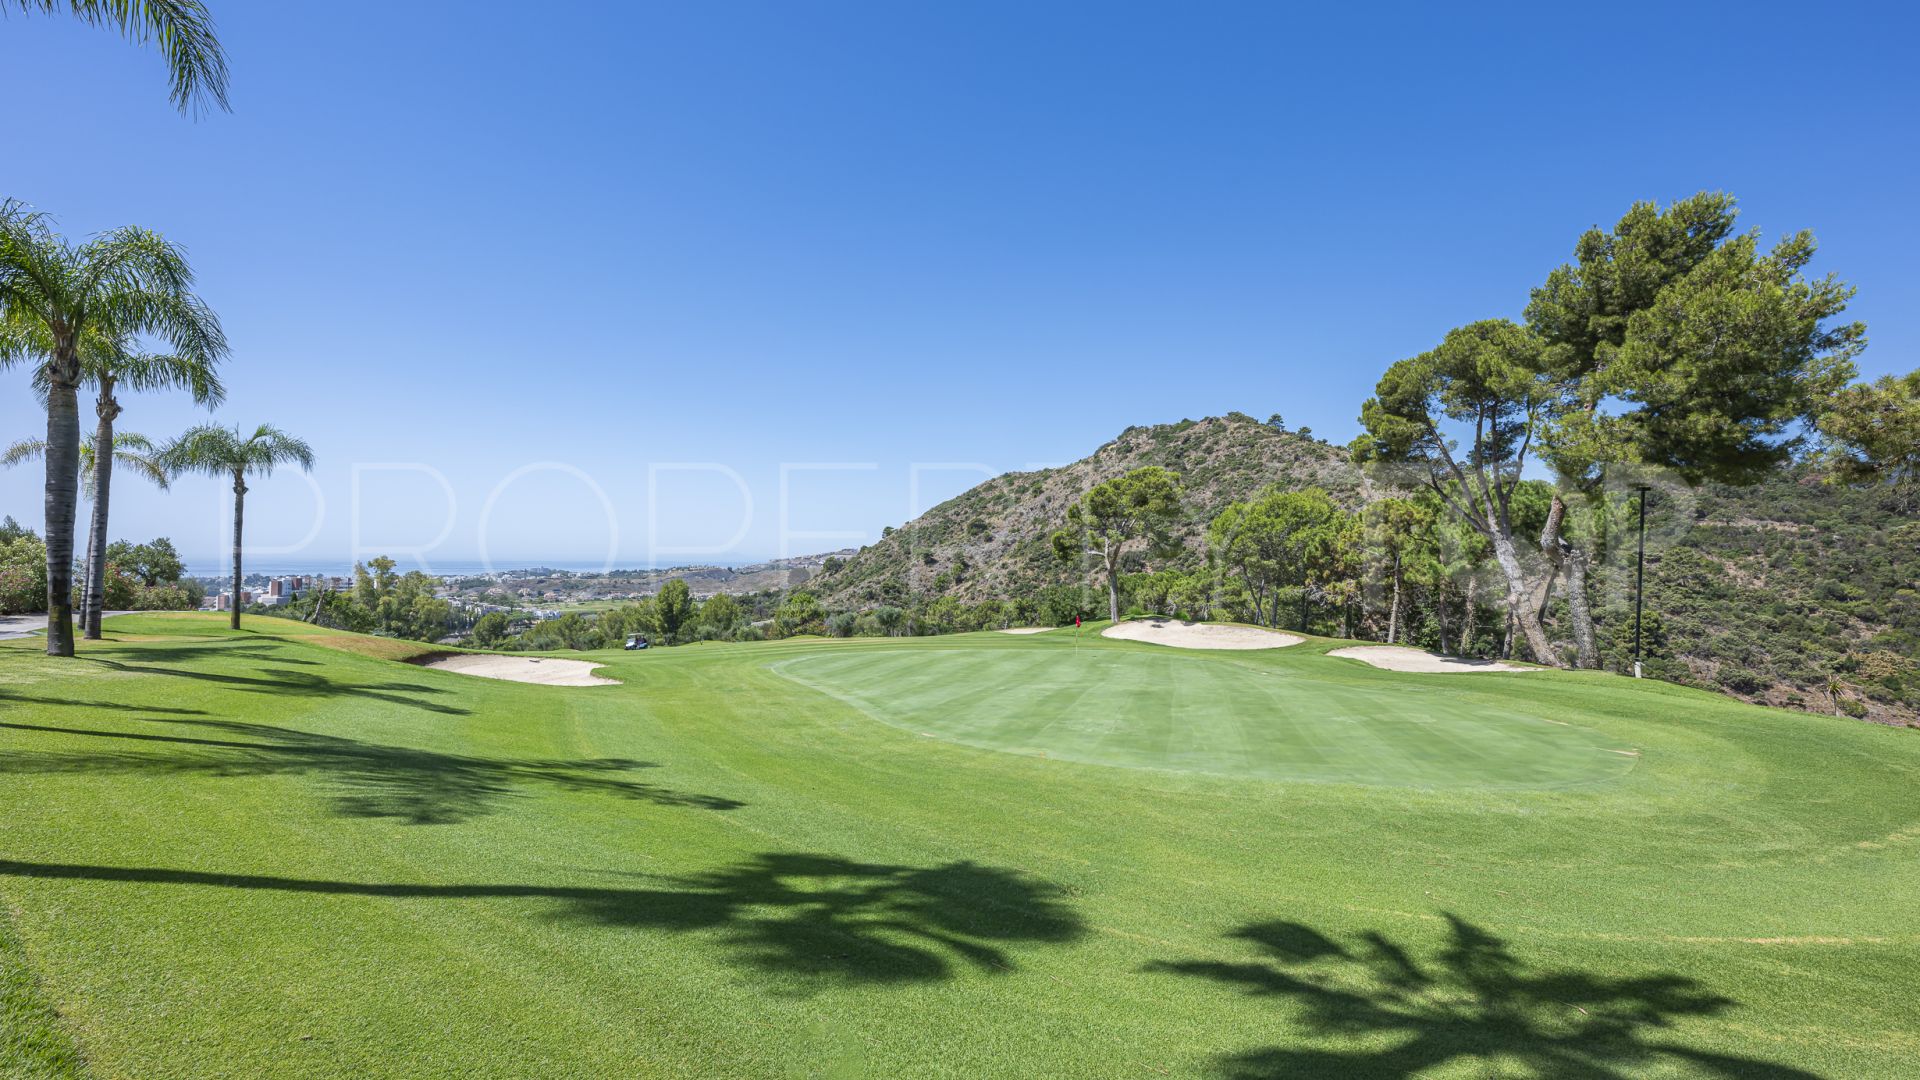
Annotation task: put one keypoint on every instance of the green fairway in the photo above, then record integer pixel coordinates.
(1156, 708)
(279, 852)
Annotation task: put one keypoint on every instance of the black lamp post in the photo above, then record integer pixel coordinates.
(1640, 581)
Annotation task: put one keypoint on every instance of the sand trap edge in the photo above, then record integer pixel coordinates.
(533, 670)
(1188, 635)
(1420, 662)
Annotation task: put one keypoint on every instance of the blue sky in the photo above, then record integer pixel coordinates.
(470, 238)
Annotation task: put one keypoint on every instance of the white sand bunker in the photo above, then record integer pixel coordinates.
(1190, 635)
(1419, 661)
(1026, 629)
(532, 669)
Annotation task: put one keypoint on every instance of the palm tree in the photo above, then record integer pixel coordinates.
(56, 299)
(108, 365)
(132, 451)
(212, 450)
(183, 28)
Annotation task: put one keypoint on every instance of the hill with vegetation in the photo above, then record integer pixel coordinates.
(1794, 592)
(991, 542)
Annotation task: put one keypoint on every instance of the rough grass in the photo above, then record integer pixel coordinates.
(249, 855)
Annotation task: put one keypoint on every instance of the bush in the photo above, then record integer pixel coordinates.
(23, 573)
(163, 598)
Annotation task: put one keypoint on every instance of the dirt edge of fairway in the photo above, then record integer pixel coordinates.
(539, 670)
(1191, 635)
(1419, 661)
(1026, 630)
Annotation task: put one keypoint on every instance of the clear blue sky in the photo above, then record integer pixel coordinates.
(478, 236)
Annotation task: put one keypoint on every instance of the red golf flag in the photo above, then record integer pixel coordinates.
(1076, 622)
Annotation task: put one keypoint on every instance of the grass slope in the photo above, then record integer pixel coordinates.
(250, 854)
(1298, 716)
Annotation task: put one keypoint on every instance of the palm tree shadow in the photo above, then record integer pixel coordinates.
(1470, 1004)
(282, 683)
(368, 780)
(808, 918)
(9, 697)
(178, 652)
(815, 916)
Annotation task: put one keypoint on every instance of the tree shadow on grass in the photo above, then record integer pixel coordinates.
(811, 918)
(371, 780)
(8, 697)
(299, 684)
(178, 652)
(1471, 1005)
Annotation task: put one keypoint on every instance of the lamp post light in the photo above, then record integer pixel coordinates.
(1640, 581)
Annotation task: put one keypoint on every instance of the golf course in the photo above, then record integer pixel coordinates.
(284, 851)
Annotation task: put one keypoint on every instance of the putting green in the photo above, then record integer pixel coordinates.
(1195, 713)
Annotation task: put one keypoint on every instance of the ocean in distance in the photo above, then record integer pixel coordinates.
(277, 567)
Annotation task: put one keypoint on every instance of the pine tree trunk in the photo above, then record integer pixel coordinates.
(1113, 593)
(1468, 615)
(239, 515)
(1440, 617)
(92, 605)
(62, 496)
(1581, 611)
(1393, 606)
(1524, 603)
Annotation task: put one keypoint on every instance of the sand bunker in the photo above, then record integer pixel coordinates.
(1419, 661)
(1188, 635)
(534, 669)
(1026, 629)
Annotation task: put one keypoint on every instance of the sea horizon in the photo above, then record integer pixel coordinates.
(343, 567)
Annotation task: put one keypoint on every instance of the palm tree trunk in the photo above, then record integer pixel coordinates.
(239, 516)
(91, 605)
(62, 498)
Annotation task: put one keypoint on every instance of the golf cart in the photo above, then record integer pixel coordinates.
(636, 641)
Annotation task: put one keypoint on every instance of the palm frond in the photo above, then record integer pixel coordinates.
(135, 452)
(183, 29)
(147, 372)
(181, 319)
(271, 446)
(205, 449)
(22, 452)
(34, 263)
(121, 265)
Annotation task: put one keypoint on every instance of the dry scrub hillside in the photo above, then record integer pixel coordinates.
(991, 541)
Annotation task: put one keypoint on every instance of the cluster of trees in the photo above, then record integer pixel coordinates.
(1670, 346)
(117, 314)
(380, 601)
(673, 616)
(139, 577)
(86, 316)
(1671, 350)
